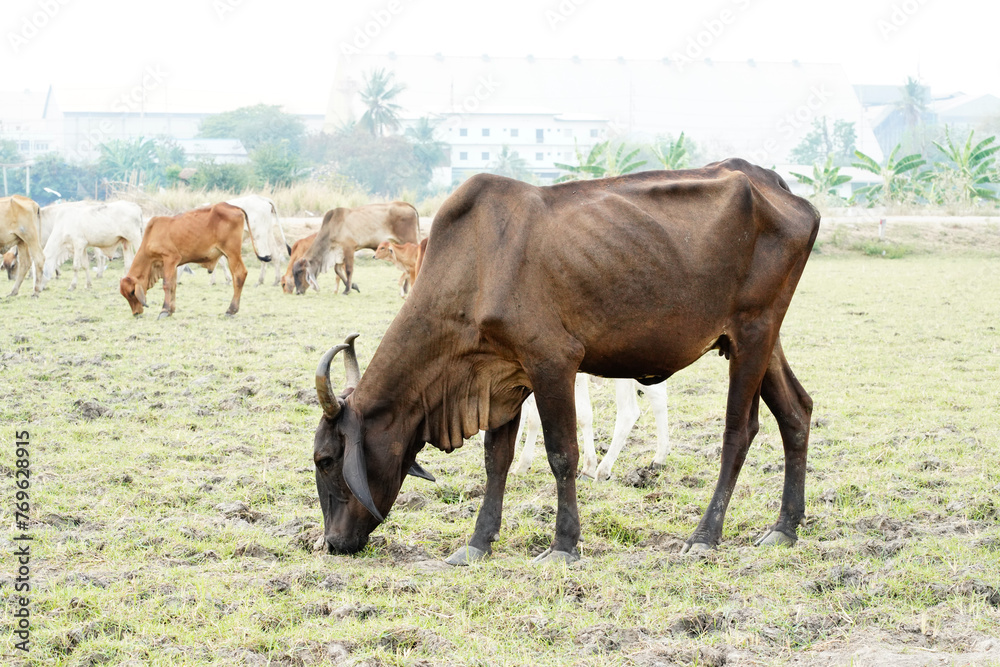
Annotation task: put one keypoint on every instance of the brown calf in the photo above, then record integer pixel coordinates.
(200, 236)
(406, 257)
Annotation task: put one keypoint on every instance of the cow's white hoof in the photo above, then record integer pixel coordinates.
(550, 556)
(466, 556)
(775, 538)
(163, 314)
(697, 548)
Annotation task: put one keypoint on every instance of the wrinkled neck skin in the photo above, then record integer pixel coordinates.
(451, 385)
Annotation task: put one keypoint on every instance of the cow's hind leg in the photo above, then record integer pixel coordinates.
(24, 263)
(585, 419)
(169, 288)
(239, 271)
(627, 414)
(499, 452)
(746, 371)
(530, 426)
(792, 409)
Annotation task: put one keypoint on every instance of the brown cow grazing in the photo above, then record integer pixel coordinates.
(299, 249)
(663, 267)
(21, 227)
(405, 256)
(10, 262)
(352, 229)
(200, 236)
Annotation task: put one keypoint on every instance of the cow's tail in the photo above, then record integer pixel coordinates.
(417, 215)
(281, 230)
(253, 244)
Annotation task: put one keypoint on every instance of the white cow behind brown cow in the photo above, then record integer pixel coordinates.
(77, 226)
(266, 228)
(20, 227)
(354, 228)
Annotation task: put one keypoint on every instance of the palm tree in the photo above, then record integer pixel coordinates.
(616, 164)
(894, 185)
(378, 95)
(971, 166)
(429, 151)
(586, 166)
(673, 155)
(120, 158)
(824, 181)
(912, 103)
(509, 164)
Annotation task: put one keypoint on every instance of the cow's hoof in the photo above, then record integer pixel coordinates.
(586, 475)
(550, 556)
(775, 538)
(466, 555)
(163, 315)
(229, 313)
(697, 548)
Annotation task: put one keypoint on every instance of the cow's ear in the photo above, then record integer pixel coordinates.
(416, 470)
(140, 294)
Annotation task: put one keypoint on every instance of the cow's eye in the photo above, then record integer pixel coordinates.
(324, 463)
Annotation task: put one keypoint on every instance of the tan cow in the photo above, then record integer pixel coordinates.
(200, 236)
(405, 256)
(20, 226)
(10, 262)
(299, 249)
(351, 229)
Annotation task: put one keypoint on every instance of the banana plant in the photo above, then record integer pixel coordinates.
(825, 180)
(895, 184)
(973, 167)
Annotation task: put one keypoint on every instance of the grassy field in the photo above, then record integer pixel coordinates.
(174, 509)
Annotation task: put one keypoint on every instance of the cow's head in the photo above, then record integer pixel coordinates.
(134, 294)
(304, 274)
(354, 503)
(384, 251)
(287, 284)
(10, 263)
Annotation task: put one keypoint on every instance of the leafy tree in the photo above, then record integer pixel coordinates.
(428, 150)
(121, 158)
(225, 176)
(381, 165)
(9, 154)
(275, 163)
(588, 166)
(895, 184)
(913, 98)
(822, 141)
(671, 154)
(509, 163)
(381, 113)
(973, 167)
(825, 180)
(615, 164)
(71, 181)
(255, 126)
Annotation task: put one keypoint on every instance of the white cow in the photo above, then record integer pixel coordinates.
(628, 414)
(266, 228)
(75, 226)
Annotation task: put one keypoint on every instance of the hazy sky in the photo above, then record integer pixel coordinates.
(287, 50)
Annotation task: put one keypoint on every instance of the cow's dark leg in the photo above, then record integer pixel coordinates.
(792, 409)
(556, 402)
(746, 371)
(499, 452)
(348, 267)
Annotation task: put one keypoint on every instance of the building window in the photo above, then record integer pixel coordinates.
(463, 132)
(41, 146)
(539, 136)
(486, 131)
(23, 146)
(513, 133)
(539, 156)
(593, 133)
(486, 155)
(568, 132)
(463, 155)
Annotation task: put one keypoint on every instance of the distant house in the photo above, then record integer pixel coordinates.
(32, 121)
(218, 150)
(754, 110)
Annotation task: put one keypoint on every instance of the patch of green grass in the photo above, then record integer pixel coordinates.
(175, 512)
(885, 249)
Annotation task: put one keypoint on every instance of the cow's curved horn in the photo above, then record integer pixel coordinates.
(324, 387)
(351, 362)
(356, 474)
(417, 470)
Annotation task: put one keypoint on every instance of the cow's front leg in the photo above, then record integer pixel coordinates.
(169, 289)
(554, 396)
(348, 267)
(499, 452)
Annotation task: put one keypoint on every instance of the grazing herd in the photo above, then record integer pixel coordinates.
(526, 289)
